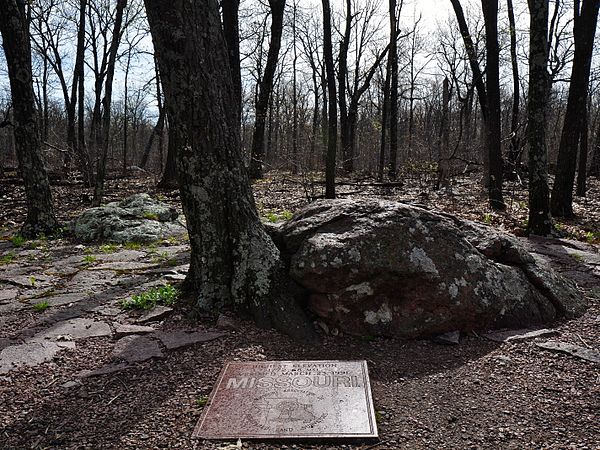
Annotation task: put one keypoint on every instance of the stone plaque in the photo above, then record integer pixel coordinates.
(290, 399)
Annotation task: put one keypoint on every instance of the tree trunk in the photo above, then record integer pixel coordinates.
(513, 152)
(393, 93)
(330, 159)
(169, 175)
(234, 263)
(265, 89)
(231, 30)
(14, 28)
(102, 143)
(594, 170)
(493, 127)
(584, 30)
(342, 74)
(539, 221)
(384, 119)
(583, 155)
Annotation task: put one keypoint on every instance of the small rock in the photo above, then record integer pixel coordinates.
(155, 314)
(104, 370)
(571, 349)
(122, 330)
(71, 384)
(519, 335)
(450, 338)
(178, 339)
(136, 349)
(226, 323)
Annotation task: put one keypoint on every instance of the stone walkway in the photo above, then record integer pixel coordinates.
(81, 286)
(54, 297)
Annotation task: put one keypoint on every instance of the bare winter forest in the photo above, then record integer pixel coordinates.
(411, 183)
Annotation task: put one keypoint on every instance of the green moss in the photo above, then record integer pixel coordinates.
(18, 240)
(7, 259)
(132, 246)
(108, 248)
(89, 259)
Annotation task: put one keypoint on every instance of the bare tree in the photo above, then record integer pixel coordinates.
(330, 159)
(539, 221)
(14, 27)
(266, 88)
(584, 27)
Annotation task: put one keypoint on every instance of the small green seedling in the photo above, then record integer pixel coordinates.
(108, 248)
(32, 281)
(7, 259)
(487, 218)
(202, 401)
(89, 259)
(163, 295)
(41, 306)
(18, 240)
(132, 245)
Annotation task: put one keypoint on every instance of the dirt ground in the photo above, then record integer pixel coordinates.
(479, 394)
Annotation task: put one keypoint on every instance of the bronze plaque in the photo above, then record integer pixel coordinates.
(290, 399)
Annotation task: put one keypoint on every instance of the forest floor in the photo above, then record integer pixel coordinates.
(80, 387)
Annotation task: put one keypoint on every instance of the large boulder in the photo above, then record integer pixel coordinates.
(138, 218)
(375, 267)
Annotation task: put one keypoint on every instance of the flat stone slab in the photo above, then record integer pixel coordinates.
(571, 349)
(519, 335)
(76, 329)
(122, 330)
(30, 354)
(290, 399)
(136, 349)
(178, 339)
(157, 313)
(125, 266)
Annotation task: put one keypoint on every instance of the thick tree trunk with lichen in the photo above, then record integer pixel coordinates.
(234, 263)
(15, 40)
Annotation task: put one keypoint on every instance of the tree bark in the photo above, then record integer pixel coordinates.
(392, 165)
(330, 158)
(14, 28)
(493, 123)
(234, 263)
(583, 155)
(539, 221)
(231, 30)
(265, 89)
(513, 152)
(342, 74)
(584, 29)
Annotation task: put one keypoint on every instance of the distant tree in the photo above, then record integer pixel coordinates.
(539, 221)
(234, 263)
(266, 88)
(330, 159)
(488, 94)
(14, 27)
(513, 152)
(584, 28)
(102, 136)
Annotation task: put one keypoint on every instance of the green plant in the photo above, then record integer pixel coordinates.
(590, 237)
(7, 259)
(32, 280)
(132, 245)
(108, 248)
(41, 306)
(89, 259)
(18, 240)
(287, 215)
(487, 218)
(202, 401)
(162, 295)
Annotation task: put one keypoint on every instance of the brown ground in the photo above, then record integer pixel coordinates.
(479, 394)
